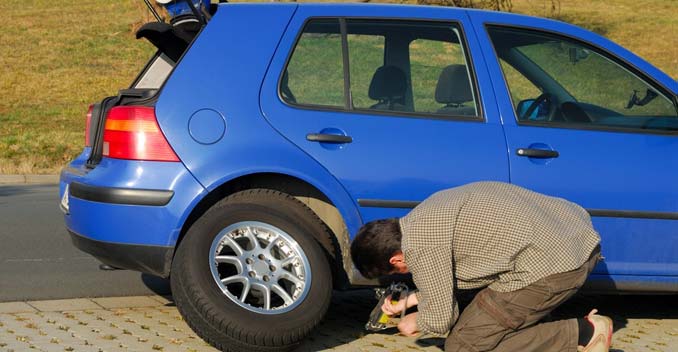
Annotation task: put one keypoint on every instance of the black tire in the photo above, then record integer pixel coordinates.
(215, 317)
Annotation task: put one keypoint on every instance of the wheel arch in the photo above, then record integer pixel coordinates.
(336, 248)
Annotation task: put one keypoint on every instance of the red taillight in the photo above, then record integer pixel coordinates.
(132, 132)
(88, 127)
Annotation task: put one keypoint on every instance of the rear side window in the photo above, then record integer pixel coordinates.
(402, 67)
(366, 55)
(440, 79)
(315, 75)
(558, 80)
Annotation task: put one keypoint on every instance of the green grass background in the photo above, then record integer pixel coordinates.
(57, 57)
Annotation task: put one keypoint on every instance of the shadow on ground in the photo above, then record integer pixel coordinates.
(158, 285)
(621, 308)
(349, 311)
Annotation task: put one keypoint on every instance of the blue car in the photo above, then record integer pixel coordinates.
(260, 137)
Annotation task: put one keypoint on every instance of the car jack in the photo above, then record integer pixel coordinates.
(379, 320)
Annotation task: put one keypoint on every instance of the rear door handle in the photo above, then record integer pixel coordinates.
(537, 153)
(328, 138)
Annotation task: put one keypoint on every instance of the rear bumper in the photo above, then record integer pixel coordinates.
(154, 260)
(128, 214)
(116, 195)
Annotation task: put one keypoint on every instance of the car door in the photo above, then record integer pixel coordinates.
(588, 125)
(393, 108)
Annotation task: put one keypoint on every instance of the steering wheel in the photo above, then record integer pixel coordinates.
(545, 97)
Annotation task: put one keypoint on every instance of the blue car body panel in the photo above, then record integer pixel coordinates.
(602, 170)
(369, 167)
(221, 112)
(133, 224)
(249, 146)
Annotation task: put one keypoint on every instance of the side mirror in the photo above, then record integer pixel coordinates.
(539, 113)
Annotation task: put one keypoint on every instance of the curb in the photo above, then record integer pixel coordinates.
(28, 179)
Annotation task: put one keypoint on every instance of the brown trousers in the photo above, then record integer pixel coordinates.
(508, 321)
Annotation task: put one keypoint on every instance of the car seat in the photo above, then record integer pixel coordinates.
(388, 87)
(453, 90)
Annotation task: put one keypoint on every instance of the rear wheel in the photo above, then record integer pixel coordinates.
(250, 275)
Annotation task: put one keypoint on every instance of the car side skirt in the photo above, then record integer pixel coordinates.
(605, 213)
(635, 284)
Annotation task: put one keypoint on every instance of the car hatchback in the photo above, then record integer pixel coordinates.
(260, 137)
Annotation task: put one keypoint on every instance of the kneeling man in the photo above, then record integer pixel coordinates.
(529, 252)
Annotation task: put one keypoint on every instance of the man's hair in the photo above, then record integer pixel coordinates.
(374, 245)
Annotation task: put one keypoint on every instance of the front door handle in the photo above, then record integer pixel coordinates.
(537, 153)
(328, 138)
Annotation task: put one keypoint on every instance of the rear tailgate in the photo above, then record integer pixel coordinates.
(172, 42)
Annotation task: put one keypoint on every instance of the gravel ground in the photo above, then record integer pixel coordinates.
(642, 323)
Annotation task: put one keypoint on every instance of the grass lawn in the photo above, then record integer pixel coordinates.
(646, 27)
(57, 57)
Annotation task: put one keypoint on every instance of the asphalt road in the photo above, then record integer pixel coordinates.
(38, 261)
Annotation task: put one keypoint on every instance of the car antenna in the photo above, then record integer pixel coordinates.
(155, 13)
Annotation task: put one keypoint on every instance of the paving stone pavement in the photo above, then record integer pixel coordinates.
(642, 323)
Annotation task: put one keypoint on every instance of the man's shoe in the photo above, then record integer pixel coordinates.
(602, 333)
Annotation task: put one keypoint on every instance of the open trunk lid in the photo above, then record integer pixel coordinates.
(172, 40)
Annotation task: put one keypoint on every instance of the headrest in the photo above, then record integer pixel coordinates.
(453, 86)
(388, 82)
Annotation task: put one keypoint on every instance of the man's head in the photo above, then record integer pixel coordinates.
(376, 249)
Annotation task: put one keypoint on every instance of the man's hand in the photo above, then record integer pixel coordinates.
(408, 325)
(391, 309)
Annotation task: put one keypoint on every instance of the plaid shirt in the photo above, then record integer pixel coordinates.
(488, 234)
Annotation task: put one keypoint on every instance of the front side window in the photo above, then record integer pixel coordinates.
(553, 79)
(403, 67)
